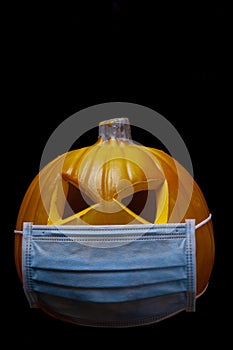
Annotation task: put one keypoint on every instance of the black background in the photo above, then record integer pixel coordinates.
(173, 59)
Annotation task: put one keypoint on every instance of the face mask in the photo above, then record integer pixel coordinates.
(110, 276)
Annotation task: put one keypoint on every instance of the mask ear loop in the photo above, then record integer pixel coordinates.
(203, 222)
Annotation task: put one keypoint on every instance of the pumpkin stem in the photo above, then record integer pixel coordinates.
(117, 128)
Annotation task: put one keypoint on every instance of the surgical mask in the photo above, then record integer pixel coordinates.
(112, 275)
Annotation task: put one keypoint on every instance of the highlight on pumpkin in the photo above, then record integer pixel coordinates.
(117, 182)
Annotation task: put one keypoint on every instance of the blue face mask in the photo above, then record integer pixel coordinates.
(110, 276)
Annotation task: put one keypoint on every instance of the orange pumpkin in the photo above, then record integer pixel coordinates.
(116, 181)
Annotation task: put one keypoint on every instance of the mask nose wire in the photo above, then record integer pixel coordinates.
(196, 226)
(203, 222)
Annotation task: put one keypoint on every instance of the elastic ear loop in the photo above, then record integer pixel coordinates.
(203, 222)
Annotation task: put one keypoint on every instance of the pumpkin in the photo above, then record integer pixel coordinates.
(116, 181)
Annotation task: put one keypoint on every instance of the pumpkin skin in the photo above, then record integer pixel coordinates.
(96, 181)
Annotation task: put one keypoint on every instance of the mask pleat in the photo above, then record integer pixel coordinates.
(136, 270)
